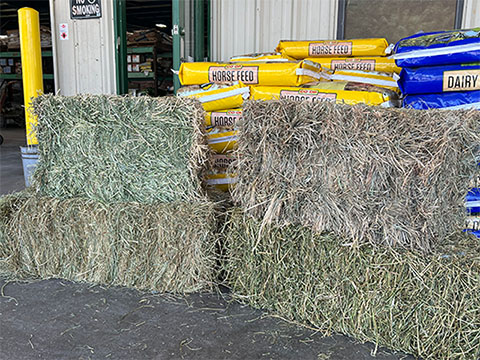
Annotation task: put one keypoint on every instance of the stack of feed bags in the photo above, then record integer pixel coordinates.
(359, 68)
(222, 88)
(440, 69)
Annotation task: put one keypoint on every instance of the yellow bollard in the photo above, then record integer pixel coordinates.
(31, 53)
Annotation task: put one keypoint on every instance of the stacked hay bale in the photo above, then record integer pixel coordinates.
(116, 197)
(350, 219)
(426, 305)
(223, 87)
(441, 70)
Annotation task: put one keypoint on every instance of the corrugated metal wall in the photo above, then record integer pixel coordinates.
(471, 14)
(85, 63)
(249, 26)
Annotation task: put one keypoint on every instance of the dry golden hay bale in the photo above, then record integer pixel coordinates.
(120, 148)
(163, 246)
(427, 305)
(382, 176)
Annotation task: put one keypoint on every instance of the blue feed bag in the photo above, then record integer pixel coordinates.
(438, 48)
(476, 233)
(437, 79)
(473, 201)
(448, 101)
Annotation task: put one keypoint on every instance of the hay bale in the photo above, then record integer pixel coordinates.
(119, 149)
(382, 176)
(8, 205)
(163, 246)
(427, 305)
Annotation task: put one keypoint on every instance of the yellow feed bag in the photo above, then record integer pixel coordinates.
(328, 85)
(372, 78)
(375, 63)
(221, 162)
(314, 95)
(222, 182)
(333, 48)
(223, 118)
(222, 141)
(225, 98)
(354, 86)
(260, 57)
(251, 73)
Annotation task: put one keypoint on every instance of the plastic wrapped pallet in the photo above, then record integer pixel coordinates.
(372, 63)
(437, 79)
(229, 97)
(257, 73)
(333, 48)
(446, 101)
(317, 95)
(438, 48)
(223, 118)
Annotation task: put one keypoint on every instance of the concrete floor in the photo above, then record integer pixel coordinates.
(56, 319)
(11, 170)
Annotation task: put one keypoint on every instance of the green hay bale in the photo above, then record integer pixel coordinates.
(425, 305)
(120, 149)
(164, 247)
(392, 177)
(8, 205)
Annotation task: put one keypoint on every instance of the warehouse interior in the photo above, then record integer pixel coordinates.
(240, 179)
(148, 34)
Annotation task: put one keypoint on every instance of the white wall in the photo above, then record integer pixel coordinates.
(86, 62)
(471, 14)
(249, 26)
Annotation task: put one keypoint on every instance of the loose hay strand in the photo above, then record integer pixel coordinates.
(381, 176)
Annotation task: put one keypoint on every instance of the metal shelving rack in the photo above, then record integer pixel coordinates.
(16, 54)
(152, 76)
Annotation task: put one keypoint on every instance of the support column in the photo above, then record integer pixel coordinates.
(31, 55)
